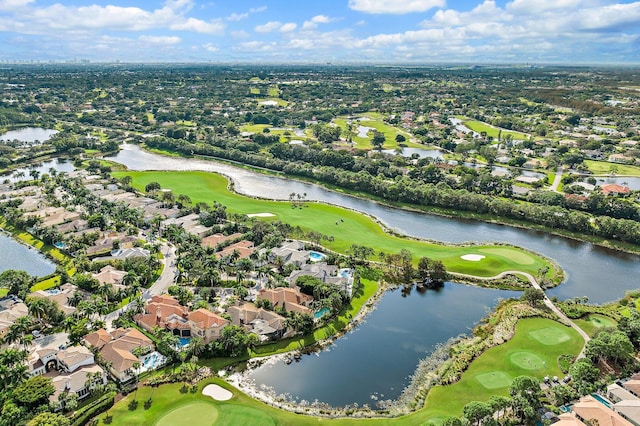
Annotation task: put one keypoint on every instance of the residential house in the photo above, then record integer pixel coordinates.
(166, 312)
(614, 189)
(568, 419)
(266, 324)
(589, 410)
(244, 249)
(117, 348)
(216, 239)
(123, 254)
(629, 409)
(292, 300)
(110, 275)
(11, 308)
(60, 296)
(291, 252)
(616, 393)
(329, 274)
(70, 368)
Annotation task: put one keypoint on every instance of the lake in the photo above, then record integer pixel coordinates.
(21, 257)
(59, 165)
(28, 135)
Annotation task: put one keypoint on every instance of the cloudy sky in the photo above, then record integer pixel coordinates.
(379, 31)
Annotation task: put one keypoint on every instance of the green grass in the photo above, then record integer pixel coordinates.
(522, 355)
(480, 126)
(593, 323)
(490, 374)
(46, 284)
(376, 122)
(195, 413)
(605, 167)
(346, 226)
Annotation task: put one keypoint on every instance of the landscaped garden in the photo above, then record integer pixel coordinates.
(346, 226)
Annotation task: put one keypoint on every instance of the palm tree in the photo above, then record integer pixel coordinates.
(196, 346)
(37, 307)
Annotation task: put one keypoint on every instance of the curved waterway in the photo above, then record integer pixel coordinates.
(599, 273)
(375, 361)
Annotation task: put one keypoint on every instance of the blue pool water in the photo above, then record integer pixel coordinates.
(184, 341)
(316, 256)
(345, 273)
(601, 400)
(61, 245)
(320, 313)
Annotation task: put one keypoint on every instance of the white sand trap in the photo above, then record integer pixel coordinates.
(472, 257)
(217, 392)
(261, 215)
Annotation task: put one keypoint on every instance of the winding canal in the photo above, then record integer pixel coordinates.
(375, 361)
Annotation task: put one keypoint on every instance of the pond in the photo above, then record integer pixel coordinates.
(376, 360)
(28, 135)
(421, 152)
(21, 257)
(59, 165)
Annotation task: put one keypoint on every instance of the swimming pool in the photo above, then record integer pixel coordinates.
(315, 256)
(184, 341)
(152, 361)
(320, 313)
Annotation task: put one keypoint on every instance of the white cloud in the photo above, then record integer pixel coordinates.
(288, 27)
(199, 26)
(160, 39)
(398, 7)
(9, 5)
(209, 47)
(240, 16)
(240, 34)
(268, 27)
(318, 19)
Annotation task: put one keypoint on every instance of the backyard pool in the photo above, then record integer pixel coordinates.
(320, 313)
(184, 341)
(152, 361)
(315, 256)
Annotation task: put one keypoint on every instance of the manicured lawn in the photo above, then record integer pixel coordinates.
(480, 126)
(346, 226)
(375, 122)
(492, 372)
(196, 413)
(605, 167)
(593, 323)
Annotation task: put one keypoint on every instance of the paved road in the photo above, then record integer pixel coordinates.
(159, 287)
(557, 180)
(547, 302)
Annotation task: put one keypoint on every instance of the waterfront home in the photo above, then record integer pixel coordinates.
(266, 324)
(123, 254)
(291, 299)
(11, 308)
(329, 274)
(167, 313)
(60, 296)
(120, 348)
(614, 189)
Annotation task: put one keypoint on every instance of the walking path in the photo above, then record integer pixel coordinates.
(547, 301)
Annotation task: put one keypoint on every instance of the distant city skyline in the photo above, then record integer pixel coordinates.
(338, 31)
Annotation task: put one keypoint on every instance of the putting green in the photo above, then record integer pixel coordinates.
(514, 255)
(550, 336)
(527, 360)
(197, 413)
(494, 380)
(600, 321)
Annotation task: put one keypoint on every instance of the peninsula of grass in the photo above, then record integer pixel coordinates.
(606, 168)
(533, 351)
(593, 323)
(346, 226)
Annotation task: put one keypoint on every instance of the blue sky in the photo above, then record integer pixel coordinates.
(339, 31)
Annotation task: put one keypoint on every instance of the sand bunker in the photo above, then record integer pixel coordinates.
(216, 392)
(472, 257)
(261, 215)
